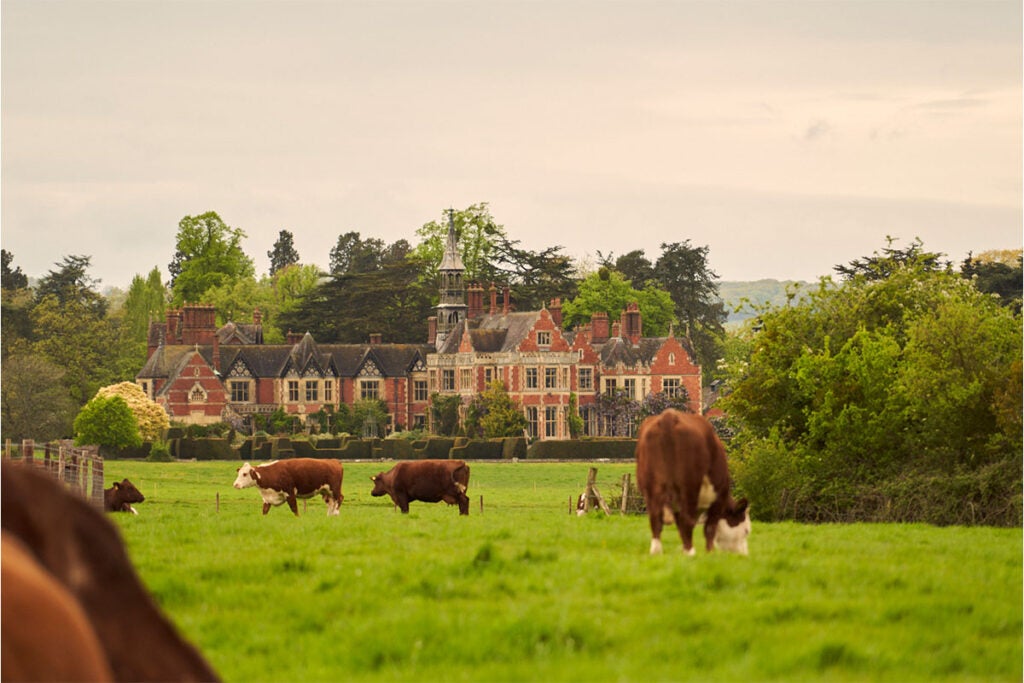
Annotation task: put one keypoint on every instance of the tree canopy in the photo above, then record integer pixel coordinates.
(208, 254)
(283, 254)
(607, 291)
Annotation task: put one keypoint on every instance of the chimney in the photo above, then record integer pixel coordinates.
(616, 327)
(476, 301)
(293, 338)
(494, 299)
(257, 317)
(375, 338)
(432, 329)
(556, 311)
(173, 335)
(216, 353)
(599, 327)
(505, 297)
(632, 323)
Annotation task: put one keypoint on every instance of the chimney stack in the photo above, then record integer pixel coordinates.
(599, 327)
(556, 311)
(632, 323)
(505, 300)
(494, 299)
(375, 338)
(432, 329)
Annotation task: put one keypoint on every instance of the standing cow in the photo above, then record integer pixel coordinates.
(285, 480)
(681, 466)
(429, 481)
(120, 496)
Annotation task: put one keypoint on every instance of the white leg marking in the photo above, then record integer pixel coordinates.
(655, 546)
(691, 552)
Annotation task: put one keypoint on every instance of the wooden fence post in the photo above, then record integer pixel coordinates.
(97, 480)
(7, 449)
(28, 448)
(625, 493)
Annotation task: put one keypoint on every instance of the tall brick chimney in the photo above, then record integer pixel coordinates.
(599, 327)
(375, 338)
(505, 300)
(556, 311)
(476, 300)
(432, 329)
(494, 299)
(632, 324)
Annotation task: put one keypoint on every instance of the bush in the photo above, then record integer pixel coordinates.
(107, 422)
(590, 449)
(160, 451)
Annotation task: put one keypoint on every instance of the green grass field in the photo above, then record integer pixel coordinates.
(524, 591)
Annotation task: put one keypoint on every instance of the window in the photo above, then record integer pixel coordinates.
(369, 389)
(488, 376)
(466, 378)
(531, 378)
(550, 378)
(610, 385)
(630, 386)
(586, 378)
(550, 421)
(293, 391)
(145, 387)
(197, 395)
(329, 391)
(239, 392)
(531, 421)
(312, 391)
(543, 339)
(419, 390)
(447, 380)
(419, 421)
(672, 387)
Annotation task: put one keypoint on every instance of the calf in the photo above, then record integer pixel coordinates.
(82, 551)
(681, 467)
(120, 496)
(285, 480)
(429, 481)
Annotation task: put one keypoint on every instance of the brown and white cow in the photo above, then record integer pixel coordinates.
(120, 496)
(681, 466)
(429, 481)
(284, 481)
(77, 546)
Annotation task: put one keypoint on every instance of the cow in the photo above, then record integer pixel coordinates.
(681, 467)
(74, 545)
(429, 481)
(120, 496)
(286, 480)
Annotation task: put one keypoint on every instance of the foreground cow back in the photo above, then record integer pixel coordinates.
(681, 466)
(429, 481)
(284, 481)
(82, 551)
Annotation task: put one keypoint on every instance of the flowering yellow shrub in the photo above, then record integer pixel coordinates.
(152, 419)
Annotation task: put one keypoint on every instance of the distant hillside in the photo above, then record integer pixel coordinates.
(756, 292)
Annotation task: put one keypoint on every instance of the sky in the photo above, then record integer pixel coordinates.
(786, 136)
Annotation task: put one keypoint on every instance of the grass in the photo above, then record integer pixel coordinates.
(526, 591)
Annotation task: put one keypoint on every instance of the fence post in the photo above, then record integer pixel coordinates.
(97, 480)
(28, 447)
(625, 493)
(7, 449)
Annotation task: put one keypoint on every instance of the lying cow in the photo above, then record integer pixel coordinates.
(75, 545)
(681, 467)
(286, 480)
(120, 496)
(429, 481)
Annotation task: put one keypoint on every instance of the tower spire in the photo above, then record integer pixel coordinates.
(451, 307)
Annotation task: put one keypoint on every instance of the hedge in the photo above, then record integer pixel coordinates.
(207, 448)
(478, 449)
(590, 449)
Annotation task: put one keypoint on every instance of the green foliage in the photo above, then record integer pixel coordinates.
(34, 403)
(160, 452)
(208, 255)
(609, 292)
(444, 411)
(369, 418)
(280, 422)
(107, 422)
(573, 417)
(283, 254)
(997, 277)
(859, 384)
(11, 278)
(493, 414)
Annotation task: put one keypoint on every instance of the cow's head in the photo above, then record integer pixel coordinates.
(379, 485)
(127, 492)
(247, 476)
(733, 529)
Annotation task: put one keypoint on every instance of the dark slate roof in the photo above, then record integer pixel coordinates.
(240, 333)
(500, 332)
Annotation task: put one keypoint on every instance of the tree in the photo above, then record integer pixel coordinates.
(444, 412)
(72, 286)
(997, 273)
(634, 266)
(352, 254)
(107, 422)
(208, 255)
(283, 254)
(606, 291)
(150, 418)
(493, 414)
(11, 279)
(881, 265)
(682, 270)
(34, 403)
(476, 233)
(146, 301)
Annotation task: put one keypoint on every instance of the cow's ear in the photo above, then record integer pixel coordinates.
(742, 505)
(117, 485)
(373, 479)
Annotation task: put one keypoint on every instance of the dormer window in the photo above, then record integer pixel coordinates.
(671, 359)
(543, 338)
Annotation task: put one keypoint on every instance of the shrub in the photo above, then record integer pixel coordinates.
(151, 419)
(107, 422)
(160, 452)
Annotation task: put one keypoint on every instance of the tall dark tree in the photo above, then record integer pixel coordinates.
(352, 254)
(535, 277)
(683, 271)
(11, 279)
(283, 254)
(996, 277)
(635, 266)
(16, 307)
(71, 284)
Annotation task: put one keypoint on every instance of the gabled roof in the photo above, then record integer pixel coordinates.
(501, 332)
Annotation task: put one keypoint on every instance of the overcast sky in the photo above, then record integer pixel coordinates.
(786, 136)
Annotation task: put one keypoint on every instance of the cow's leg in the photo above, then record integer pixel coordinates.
(293, 503)
(403, 504)
(657, 520)
(686, 533)
(266, 508)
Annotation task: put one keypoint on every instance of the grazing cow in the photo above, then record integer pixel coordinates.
(78, 548)
(120, 496)
(285, 480)
(429, 481)
(681, 467)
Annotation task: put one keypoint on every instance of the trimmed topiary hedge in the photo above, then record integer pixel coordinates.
(591, 449)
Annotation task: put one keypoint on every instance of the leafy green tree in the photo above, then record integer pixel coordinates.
(444, 413)
(607, 291)
(107, 422)
(535, 278)
(368, 418)
(16, 302)
(146, 301)
(890, 260)
(283, 254)
(34, 403)
(208, 254)
(476, 233)
(493, 414)
(11, 278)
(634, 266)
(994, 276)
(352, 254)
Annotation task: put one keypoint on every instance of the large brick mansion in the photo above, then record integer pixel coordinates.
(202, 373)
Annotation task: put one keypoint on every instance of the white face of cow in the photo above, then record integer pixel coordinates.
(245, 477)
(733, 538)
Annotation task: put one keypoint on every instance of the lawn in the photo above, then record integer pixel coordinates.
(525, 591)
